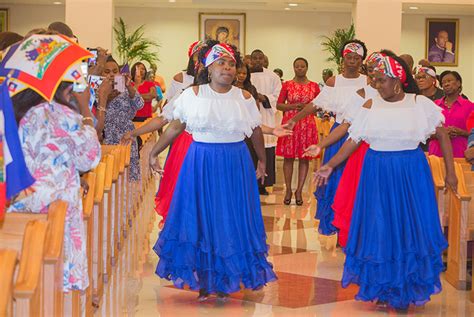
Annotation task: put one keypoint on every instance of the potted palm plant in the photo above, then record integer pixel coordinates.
(333, 44)
(134, 46)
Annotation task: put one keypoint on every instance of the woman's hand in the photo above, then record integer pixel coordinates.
(321, 176)
(312, 150)
(83, 99)
(126, 138)
(281, 131)
(469, 154)
(155, 165)
(261, 168)
(105, 89)
(451, 182)
(455, 131)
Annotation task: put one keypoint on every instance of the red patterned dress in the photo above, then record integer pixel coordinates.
(305, 132)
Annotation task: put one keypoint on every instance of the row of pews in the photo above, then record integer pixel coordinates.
(456, 212)
(118, 217)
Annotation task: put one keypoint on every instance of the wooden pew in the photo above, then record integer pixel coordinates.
(437, 170)
(8, 261)
(461, 221)
(29, 243)
(107, 216)
(15, 223)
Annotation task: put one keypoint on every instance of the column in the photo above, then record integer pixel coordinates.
(378, 23)
(92, 21)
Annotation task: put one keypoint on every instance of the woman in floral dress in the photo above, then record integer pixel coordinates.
(294, 95)
(58, 142)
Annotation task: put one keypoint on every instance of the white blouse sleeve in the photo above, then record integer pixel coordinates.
(324, 99)
(358, 129)
(430, 116)
(353, 107)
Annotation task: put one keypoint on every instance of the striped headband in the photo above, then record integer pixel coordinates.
(217, 52)
(426, 70)
(390, 67)
(195, 47)
(353, 48)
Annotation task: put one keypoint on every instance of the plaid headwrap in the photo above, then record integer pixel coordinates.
(426, 70)
(353, 48)
(391, 68)
(195, 47)
(217, 52)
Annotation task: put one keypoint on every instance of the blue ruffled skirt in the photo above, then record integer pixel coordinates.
(325, 194)
(395, 245)
(214, 238)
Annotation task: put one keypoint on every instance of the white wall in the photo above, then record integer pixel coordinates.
(413, 42)
(283, 36)
(24, 18)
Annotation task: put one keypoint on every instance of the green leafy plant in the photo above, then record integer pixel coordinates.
(134, 47)
(333, 44)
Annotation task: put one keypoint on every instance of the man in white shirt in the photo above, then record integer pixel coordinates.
(268, 86)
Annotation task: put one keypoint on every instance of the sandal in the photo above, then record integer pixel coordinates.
(203, 295)
(300, 201)
(287, 201)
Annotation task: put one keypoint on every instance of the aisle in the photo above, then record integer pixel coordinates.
(309, 268)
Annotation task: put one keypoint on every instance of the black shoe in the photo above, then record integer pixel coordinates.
(222, 297)
(299, 202)
(287, 201)
(203, 295)
(263, 191)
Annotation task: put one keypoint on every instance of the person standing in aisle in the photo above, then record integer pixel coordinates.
(268, 86)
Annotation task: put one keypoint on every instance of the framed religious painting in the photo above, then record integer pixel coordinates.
(225, 27)
(3, 20)
(442, 41)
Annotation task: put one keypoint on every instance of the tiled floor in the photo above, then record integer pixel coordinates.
(309, 267)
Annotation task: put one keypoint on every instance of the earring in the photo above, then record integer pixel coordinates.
(397, 89)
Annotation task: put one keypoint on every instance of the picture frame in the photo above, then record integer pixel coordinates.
(4, 20)
(442, 42)
(229, 27)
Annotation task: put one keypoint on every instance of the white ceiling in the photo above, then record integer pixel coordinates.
(455, 7)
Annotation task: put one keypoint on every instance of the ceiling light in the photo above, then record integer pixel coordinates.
(413, 8)
(172, 1)
(293, 4)
(287, 9)
(57, 2)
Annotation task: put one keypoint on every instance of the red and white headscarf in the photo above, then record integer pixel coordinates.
(218, 51)
(391, 68)
(375, 58)
(195, 47)
(426, 70)
(353, 47)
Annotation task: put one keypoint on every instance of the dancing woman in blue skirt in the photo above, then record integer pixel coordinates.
(214, 240)
(395, 243)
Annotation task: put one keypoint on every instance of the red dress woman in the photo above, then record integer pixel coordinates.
(294, 95)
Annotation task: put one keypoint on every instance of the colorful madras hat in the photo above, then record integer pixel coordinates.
(426, 70)
(390, 67)
(353, 47)
(217, 52)
(195, 47)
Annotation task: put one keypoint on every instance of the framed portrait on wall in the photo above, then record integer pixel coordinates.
(442, 41)
(3, 20)
(225, 27)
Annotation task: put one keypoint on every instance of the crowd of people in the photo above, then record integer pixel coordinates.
(374, 188)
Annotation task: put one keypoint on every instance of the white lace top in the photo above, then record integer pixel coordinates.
(397, 126)
(213, 117)
(335, 98)
(173, 92)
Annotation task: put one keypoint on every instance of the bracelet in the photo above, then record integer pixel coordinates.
(102, 109)
(88, 119)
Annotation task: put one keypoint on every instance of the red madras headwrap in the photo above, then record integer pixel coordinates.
(375, 58)
(217, 52)
(392, 68)
(426, 70)
(195, 47)
(353, 47)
